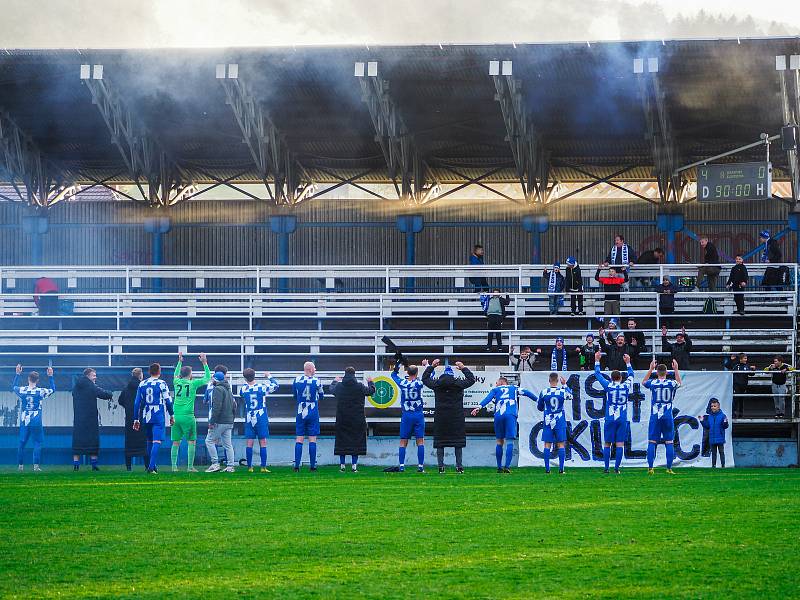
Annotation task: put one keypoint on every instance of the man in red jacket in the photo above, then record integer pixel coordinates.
(47, 305)
(612, 284)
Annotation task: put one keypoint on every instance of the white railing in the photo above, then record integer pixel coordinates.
(257, 278)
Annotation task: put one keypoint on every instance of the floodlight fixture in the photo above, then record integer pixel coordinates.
(638, 65)
(86, 71)
(359, 69)
(794, 62)
(494, 67)
(507, 67)
(97, 72)
(220, 71)
(372, 68)
(780, 63)
(652, 65)
(233, 71)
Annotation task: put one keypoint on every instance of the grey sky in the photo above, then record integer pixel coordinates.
(177, 23)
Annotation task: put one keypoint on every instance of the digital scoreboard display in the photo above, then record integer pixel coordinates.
(735, 181)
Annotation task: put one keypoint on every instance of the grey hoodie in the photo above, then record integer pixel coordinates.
(223, 405)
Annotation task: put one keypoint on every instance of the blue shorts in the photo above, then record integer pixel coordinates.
(412, 425)
(306, 427)
(258, 431)
(661, 429)
(557, 434)
(505, 427)
(154, 432)
(615, 431)
(34, 433)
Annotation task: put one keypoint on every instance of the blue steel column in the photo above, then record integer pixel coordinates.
(536, 225)
(157, 227)
(36, 226)
(794, 225)
(283, 225)
(670, 223)
(411, 225)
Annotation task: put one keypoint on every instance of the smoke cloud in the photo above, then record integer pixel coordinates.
(210, 23)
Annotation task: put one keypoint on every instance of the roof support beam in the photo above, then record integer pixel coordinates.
(23, 163)
(146, 160)
(271, 154)
(672, 185)
(530, 156)
(397, 143)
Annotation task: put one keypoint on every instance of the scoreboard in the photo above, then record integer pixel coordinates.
(735, 181)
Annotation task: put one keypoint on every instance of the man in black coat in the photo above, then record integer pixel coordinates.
(86, 419)
(710, 268)
(737, 282)
(135, 441)
(449, 430)
(635, 337)
(351, 423)
(680, 350)
(616, 351)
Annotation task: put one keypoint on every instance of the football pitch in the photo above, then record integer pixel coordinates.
(700, 533)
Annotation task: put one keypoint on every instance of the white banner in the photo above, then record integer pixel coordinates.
(387, 393)
(585, 420)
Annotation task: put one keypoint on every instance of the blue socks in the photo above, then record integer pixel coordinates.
(355, 459)
(618, 457)
(547, 460)
(509, 453)
(402, 455)
(263, 456)
(421, 455)
(298, 454)
(20, 453)
(651, 454)
(562, 454)
(76, 464)
(312, 454)
(37, 454)
(670, 454)
(153, 456)
(606, 456)
(249, 453)
(498, 454)
(342, 458)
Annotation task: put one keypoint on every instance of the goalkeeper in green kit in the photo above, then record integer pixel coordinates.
(185, 423)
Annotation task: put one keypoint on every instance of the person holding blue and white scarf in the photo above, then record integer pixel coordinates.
(559, 356)
(555, 284)
(620, 255)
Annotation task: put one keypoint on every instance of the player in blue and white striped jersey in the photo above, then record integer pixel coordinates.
(30, 413)
(615, 424)
(257, 420)
(152, 402)
(307, 391)
(551, 403)
(506, 410)
(662, 421)
(412, 418)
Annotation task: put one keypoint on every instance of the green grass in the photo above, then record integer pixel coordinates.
(701, 533)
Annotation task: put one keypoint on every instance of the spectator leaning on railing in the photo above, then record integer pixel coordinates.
(573, 283)
(666, 296)
(710, 268)
(555, 285)
(648, 257)
(737, 281)
(779, 370)
(680, 350)
(741, 378)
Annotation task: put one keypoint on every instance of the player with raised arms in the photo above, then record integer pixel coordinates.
(615, 424)
(307, 392)
(551, 403)
(506, 410)
(257, 421)
(30, 414)
(662, 421)
(412, 419)
(152, 401)
(185, 422)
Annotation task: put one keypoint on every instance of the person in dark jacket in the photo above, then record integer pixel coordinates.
(737, 281)
(135, 441)
(615, 353)
(680, 350)
(648, 257)
(779, 370)
(86, 418)
(716, 423)
(741, 379)
(220, 421)
(480, 284)
(635, 338)
(494, 307)
(351, 423)
(586, 353)
(666, 297)
(573, 284)
(449, 429)
(710, 268)
(772, 279)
